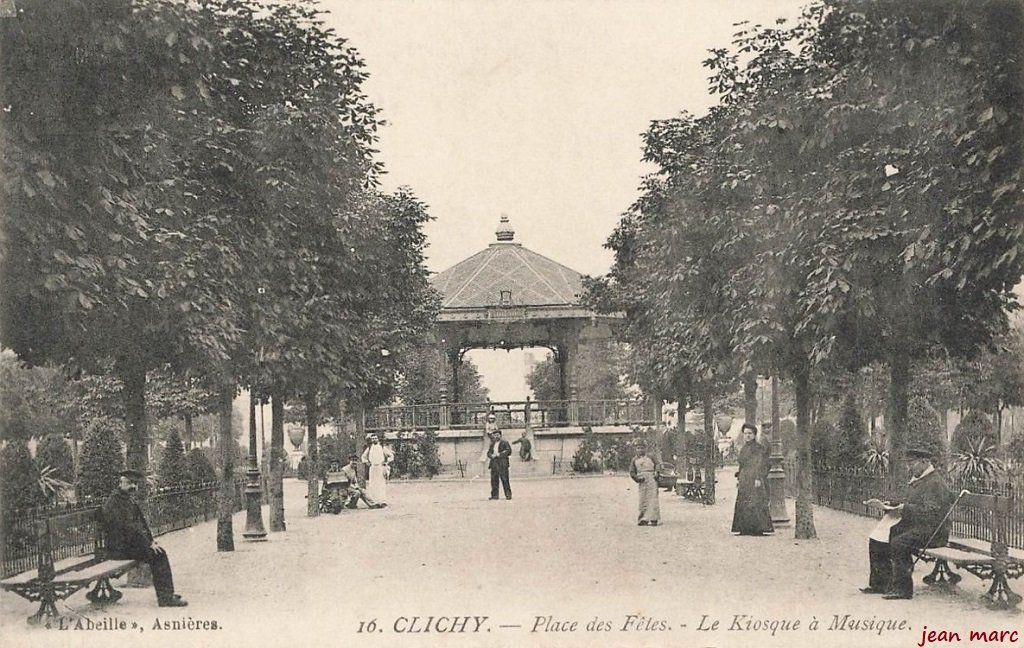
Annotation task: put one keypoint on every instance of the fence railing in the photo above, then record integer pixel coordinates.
(845, 489)
(510, 415)
(166, 509)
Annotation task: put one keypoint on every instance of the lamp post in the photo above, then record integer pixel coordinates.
(776, 471)
(254, 529)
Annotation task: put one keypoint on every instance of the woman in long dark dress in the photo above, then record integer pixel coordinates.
(751, 516)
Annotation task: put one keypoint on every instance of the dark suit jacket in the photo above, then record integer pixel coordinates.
(124, 528)
(928, 500)
(499, 461)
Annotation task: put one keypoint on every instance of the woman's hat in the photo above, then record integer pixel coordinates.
(130, 474)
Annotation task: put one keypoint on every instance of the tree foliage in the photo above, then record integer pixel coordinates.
(601, 369)
(198, 466)
(55, 453)
(19, 487)
(102, 459)
(172, 469)
(974, 430)
(854, 198)
(420, 379)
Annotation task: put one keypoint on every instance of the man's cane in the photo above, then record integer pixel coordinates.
(944, 518)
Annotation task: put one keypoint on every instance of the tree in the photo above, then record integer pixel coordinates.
(20, 483)
(35, 401)
(851, 436)
(973, 429)
(924, 429)
(198, 467)
(601, 367)
(172, 470)
(933, 252)
(102, 460)
(53, 452)
(995, 379)
(170, 395)
(420, 379)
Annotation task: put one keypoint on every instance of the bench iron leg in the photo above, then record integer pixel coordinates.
(103, 593)
(942, 575)
(1000, 596)
(47, 605)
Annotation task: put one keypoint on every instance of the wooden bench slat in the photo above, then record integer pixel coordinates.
(70, 564)
(959, 556)
(99, 570)
(970, 544)
(19, 579)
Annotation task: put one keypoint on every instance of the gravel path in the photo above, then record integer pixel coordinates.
(443, 565)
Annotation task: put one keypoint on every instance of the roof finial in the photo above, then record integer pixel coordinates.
(505, 232)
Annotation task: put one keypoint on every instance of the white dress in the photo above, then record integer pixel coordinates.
(376, 486)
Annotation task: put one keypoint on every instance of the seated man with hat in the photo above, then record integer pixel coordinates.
(922, 522)
(354, 492)
(128, 538)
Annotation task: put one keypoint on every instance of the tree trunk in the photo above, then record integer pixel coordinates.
(999, 427)
(709, 454)
(137, 435)
(750, 398)
(899, 399)
(189, 432)
(804, 476)
(313, 480)
(276, 464)
(684, 441)
(226, 449)
(776, 418)
(360, 440)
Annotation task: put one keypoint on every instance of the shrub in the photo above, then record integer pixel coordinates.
(973, 428)
(850, 439)
(822, 433)
(977, 462)
(19, 477)
(426, 443)
(53, 451)
(101, 460)
(198, 467)
(1015, 449)
(924, 428)
(618, 451)
(876, 457)
(588, 456)
(787, 430)
(172, 469)
(332, 447)
(302, 472)
(416, 455)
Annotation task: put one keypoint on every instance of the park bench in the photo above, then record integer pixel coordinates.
(691, 485)
(71, 555)
(666, 475)
(333, 493)
(988, 560)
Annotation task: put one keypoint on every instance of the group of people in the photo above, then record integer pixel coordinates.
(127, 535)
(378, 459)
(919, 522)
(750, 516)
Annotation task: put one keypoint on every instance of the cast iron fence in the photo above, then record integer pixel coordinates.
(511, 415)
(166, 509)
(846, 489)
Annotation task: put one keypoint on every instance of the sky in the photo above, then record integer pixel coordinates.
(531, 109)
